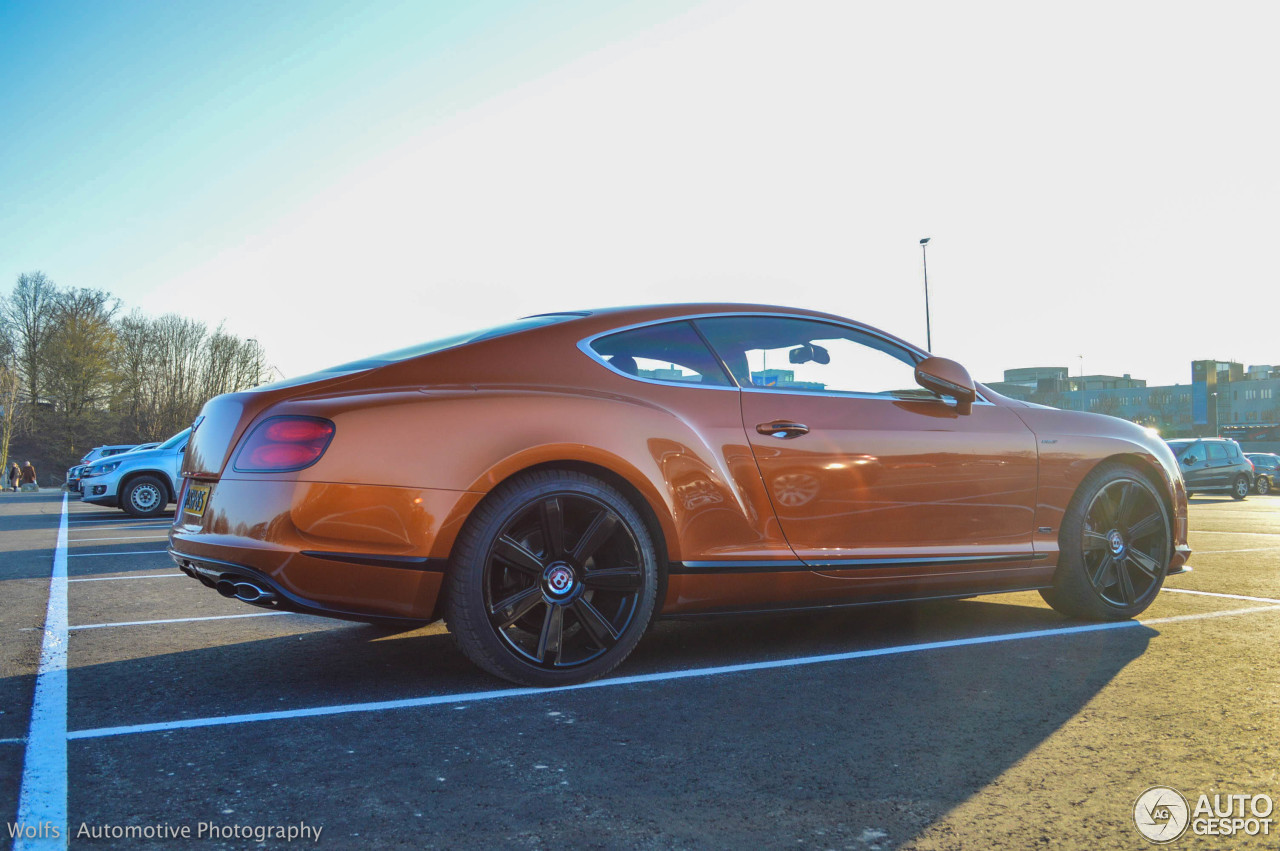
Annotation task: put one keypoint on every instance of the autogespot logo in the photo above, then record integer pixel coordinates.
(1161, 814)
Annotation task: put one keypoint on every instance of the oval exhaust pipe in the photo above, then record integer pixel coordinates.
(250, 593)
(226, 588)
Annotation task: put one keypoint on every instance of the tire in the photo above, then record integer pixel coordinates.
(1240, 487)
(1114, 547)
(145, 496)
(1262, 486)
(553, 580)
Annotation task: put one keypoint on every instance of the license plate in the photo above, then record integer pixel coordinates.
(197, 499)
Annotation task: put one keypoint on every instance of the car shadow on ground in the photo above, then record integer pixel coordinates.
(887, 744)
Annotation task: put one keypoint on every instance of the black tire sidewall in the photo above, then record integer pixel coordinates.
(465, 608)
(1073, 594)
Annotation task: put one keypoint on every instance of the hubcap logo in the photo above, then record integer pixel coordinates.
(1116, 542)
(559, 579)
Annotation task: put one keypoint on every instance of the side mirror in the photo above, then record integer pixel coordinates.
(947, 378)
(1189, 459)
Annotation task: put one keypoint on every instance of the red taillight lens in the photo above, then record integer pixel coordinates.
(284, 444)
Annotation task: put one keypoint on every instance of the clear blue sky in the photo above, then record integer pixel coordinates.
(337, 179)
(143, 136)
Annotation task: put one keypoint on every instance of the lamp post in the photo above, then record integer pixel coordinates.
(924, 257)
(1081, 381)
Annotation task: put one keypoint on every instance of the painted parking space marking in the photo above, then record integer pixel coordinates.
(691, 673)
(129, 553)
(125, 538)
(120, 578)
(177, 620)
(1249, 550)
(42, 798)
(1220, 594)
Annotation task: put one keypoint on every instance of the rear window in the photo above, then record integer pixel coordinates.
(672, 351)
(1179, 448)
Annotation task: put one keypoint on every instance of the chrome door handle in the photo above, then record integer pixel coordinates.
(783, 429)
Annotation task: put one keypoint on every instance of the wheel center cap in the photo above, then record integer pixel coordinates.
(559, 580)
(1116, 542)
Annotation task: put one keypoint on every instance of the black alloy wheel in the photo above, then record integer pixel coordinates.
(554, 582)
(1116, 544)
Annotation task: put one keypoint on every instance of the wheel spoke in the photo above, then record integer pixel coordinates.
(602, 526)
(1145, 526)
(1144, 563)
(596, 625)
(552, 632)
(1124, 503)
(1094, 540)
(613, 579)
(1099, 577)
(552, 527)
(518, 555)
(516, 606)
(1125, 582)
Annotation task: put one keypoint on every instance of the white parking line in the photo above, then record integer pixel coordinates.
(178, 620)
(1211, 532)
(1218, 594)
(115, 524)
(19, 741)
(126, 538)
(474, 697)
(116, 578)
(43, 797)
(1250, 550)
(128, 553)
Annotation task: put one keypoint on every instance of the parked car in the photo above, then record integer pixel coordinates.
(1266, 469)
(97, 452)
(550, 485)
(1213, 465)
(142, 483)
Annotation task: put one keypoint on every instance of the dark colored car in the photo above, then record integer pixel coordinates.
(1266, 469)
(550, 486)
(1213, 465)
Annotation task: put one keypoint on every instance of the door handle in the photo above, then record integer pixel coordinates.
(783, 429)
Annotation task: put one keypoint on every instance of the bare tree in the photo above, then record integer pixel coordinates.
(78, 365)
(29, 314)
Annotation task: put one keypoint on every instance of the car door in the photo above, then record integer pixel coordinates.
(1195, 466)
(864, 467)
(1218, 470)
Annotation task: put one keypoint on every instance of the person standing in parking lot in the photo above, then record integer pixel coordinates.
(14, 475)
(29, 476)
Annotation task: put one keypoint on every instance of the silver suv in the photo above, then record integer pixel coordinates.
(142, 483)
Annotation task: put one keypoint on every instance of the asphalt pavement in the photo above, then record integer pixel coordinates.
(984, 723)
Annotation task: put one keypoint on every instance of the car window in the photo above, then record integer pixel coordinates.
(1217, 452)
(799, 355)
(672, 351)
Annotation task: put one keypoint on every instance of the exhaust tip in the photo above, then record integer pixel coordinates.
(226, 588)
(250, 593)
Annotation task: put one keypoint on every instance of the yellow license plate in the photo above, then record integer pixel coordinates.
(197, 499)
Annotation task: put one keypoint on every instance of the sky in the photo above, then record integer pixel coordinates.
(1099, 180)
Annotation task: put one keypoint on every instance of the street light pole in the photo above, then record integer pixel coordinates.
(924, 256)
(1081, 381)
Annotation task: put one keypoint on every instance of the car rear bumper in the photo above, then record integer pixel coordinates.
(1178, 564)
(359, 552)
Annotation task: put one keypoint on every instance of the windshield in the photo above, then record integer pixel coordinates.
(175, 440)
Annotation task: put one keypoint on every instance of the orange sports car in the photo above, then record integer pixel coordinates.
(550, 486)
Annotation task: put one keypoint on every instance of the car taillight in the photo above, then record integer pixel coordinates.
(284, 444)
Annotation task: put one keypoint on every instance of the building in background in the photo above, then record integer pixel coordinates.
(1223, 398)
